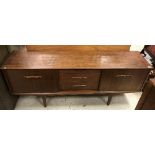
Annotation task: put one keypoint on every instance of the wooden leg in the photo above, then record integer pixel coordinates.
(44, 101)
(109, 99)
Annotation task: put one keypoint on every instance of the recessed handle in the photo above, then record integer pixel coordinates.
(79, 77)
(124, 76)
(32, 77)
(79, 85)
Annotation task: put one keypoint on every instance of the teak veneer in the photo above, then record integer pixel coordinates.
(78, 60)
(73, 73)
(76, 48)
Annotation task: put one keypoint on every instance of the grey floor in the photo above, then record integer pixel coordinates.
(126, 101)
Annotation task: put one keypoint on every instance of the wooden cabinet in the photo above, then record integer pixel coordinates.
(147, 100)
(150, 49)
(7, 100)
(123, 79)
(73, 73)
(32, 81)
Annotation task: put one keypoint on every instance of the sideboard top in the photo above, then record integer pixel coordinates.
(75, 60)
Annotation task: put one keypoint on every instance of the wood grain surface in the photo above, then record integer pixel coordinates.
(75, 60)
(75, 48)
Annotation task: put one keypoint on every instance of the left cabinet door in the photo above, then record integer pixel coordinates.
(31, 80)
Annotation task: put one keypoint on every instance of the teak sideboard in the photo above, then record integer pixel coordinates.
(75, 73)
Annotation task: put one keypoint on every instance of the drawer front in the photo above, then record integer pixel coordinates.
(32, 81)
(79, 79)
(123, 79)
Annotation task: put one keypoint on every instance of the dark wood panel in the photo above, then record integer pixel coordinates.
(151, 48)
(79, 79)
(32, 81)
(75, 60)
(147, 100)
(123, 80)
(7, 100)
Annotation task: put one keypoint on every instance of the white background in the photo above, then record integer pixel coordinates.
(77, 22)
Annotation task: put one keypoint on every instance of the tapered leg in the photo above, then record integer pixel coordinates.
(44, 101)
(109, 99)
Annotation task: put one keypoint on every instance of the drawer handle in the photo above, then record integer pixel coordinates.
(121, 75)
(78, 77)
(33, 77)
(79, 85)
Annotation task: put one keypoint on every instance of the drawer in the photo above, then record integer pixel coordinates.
(123, 79)
(32, 81)
(79, 79)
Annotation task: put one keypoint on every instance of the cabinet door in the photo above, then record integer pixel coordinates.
(123, 79)
(32, 81)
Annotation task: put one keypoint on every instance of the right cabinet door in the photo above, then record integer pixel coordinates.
(123, 79)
